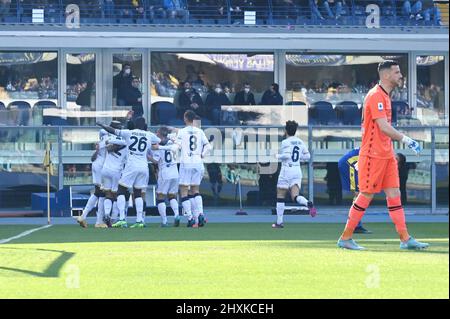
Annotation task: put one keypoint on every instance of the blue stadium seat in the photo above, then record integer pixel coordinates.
(2, 106)
(300, 103)
(176, 122)
(165, 111)
(24, 112)
(349, 113)
(322, 112)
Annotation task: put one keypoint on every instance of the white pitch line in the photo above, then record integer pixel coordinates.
(25, 233)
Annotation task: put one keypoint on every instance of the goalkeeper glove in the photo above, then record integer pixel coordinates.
(412, 144)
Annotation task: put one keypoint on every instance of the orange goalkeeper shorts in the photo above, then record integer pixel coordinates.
(376, 174)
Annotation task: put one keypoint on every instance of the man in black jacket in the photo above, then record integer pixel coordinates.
(214, 102)
(272, 96)
(245, 97)
(133, 98)
(122, 83)
(190, 100)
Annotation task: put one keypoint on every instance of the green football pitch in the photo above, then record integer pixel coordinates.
(221, 261)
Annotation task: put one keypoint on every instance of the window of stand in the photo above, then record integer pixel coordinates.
(338, 78)
(28, 82)
(430, 97)
(203, 82)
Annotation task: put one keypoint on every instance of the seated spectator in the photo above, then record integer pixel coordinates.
(272, 96)
(138, 9)
(315, 4)
(125, 8)
(429, 9)
(133, 98)
(245, 97)
(220, 7)
(412, 11)
(176, 9)
(214, 102)
(156, 9)
(4, 8)
(333, 5)
(189, 99)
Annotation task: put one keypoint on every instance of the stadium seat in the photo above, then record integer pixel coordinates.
(165, 111)
(38, 112)
(322, 112)
(176, 122)
(348, 113)
(23, 112)
(400, 109)
(2, 106)
(300, 103)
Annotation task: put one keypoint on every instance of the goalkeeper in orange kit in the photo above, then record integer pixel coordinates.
(377, 165)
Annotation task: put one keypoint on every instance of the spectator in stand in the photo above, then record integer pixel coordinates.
(272, 96)
(176, 9)
(412, 11)
(4, 8)
(245, 97)
(125, 8)
(122, 83)
(133, 98)
(190, 100)
(220, 8)
(214, 102)
(333, 5)
(156, 9)
(108, 9)
(315, 4)
(84, 100)
(429, 9)
(138, 9)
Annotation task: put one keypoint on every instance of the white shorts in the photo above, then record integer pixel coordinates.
(191, 176)
(97, 174)
(110, 179)
(168, 186)
(289, 178)
(134, 177)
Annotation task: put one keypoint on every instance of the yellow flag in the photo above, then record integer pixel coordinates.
(47, 160)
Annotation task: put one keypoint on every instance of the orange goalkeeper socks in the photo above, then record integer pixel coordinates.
(355, 215)
(397, 215)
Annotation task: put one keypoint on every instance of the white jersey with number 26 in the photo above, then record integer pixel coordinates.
(138, 143)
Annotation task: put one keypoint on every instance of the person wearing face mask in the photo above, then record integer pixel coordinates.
(190, 100)
(133, 98)
(272, 96)
(122, 84)
(245, 96)
(214, 102)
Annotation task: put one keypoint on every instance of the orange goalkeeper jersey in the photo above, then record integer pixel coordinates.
(375, 143)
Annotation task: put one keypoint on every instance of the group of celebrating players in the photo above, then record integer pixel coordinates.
(120, 169)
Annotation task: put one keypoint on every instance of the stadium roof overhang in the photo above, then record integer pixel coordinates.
(228, 39)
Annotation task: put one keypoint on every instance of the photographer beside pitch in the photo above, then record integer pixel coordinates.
(377, 165)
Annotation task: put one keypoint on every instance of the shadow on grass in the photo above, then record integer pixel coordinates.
(52, 271)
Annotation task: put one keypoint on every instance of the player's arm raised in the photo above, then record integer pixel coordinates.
(108, 129)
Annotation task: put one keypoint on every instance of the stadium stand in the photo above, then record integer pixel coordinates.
(225, 12)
